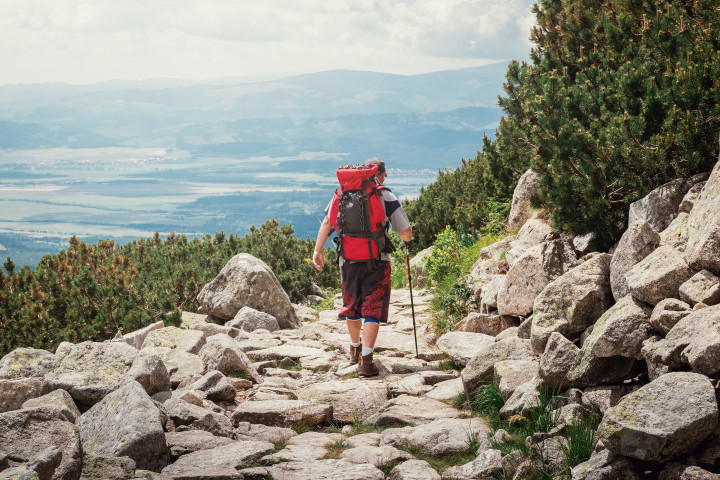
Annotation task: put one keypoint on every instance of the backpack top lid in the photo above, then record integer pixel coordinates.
(351, 177)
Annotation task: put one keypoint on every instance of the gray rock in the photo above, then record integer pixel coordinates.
(137, 337)
(324, 470)
(590, 370)
(352, 400)
(447, 390)
(190, 341)
(378, 456)
(531, 273)
(703, 287)
(583, 243)
(559, 358)
(658, 276)
(59, 400)
(417, 266)
(676, 234)
(605, 465)
(572, 302)
(511, 332)
(18, 391)
(42, 467)
(691, 197)
(22, 472)
(704, 224)
(247, 281)
(525, 328)
(440, 437)
(491, 260)
(223, 353)
(658, 421)
(291, 413)
(25, 433)
(520, 209)
(182, 443)
(126, 423)
(659, 207)
(510, 374)
(296, 453)
(487, 324)
(266, 433)
(480, 369)
(218, 463)
(621, 330)
(534, 232)
(150, 372)
(602, 398)
(667, 314)
(181, 366)
(92, 370)
(414, 470)
(524, 398)
(249, 319)
(108, 468)
(638, 241)
(463, 346)
(193, 417)
(208, 325)
(678, 471)
(216, 387)
(26, 363)
(487, 463)
(409, 410)
(490, 292)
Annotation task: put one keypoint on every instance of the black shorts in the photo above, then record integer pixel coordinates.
(366, 291)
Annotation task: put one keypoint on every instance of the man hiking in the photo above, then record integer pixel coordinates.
(364, 266)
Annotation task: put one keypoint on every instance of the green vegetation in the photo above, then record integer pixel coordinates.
(578, 439)
(618, 98)
(452, 259)
(89, 292)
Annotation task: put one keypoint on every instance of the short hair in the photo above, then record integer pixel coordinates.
(378, 162)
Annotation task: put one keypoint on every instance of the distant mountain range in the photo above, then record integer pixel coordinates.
(426, 121)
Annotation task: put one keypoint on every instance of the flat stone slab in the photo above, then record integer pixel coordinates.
(669, 416)
(26, 363)
(285, 351)
(18, 391)
(408, 410)
(190, 341)
(324, 470)
(283, 413)
(182, 443)
(447, 390)
(220, 462)
(401, 365)
(378, 456)
(296, 453)
(414, 470)
(439, 437)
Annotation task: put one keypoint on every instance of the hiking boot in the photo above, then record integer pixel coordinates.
(355, 354)
(366, 367)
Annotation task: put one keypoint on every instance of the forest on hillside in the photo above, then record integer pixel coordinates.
(619, 97)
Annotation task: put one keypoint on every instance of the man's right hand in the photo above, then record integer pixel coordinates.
(318, 259)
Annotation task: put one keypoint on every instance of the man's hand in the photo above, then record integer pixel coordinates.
(406, 235)
(318, 259)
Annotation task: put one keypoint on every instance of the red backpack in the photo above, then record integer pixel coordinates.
(358, 216)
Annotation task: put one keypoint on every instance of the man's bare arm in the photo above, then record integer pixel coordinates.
(406, 234)
(322, 236)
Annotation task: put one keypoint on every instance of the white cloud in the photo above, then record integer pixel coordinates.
(92, 40)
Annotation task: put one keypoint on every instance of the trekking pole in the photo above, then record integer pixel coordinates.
(412, 302)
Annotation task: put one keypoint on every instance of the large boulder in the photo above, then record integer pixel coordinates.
(572, 302)
(534, 232)
(59, 400)
(486, 464)
(703, 287)
(481, 368)
(704, 224)
(249, 319)
(190, 341)
(658, 276)
(605, 465)
(352, 400)
(247, 281)
(559, 357)
(137, 337)
(491, 260)
(463, 346)
(667, 314)
(322, 470)
(26, 363)
(180, 365)
(487, 324)
(193, 417)
(91, 370)
(531, 273)
(25, 433)
(224, 354)
(408, 410)
(676, 234)
(638, 241)
(659, 421)
(150, 372)
(510, 374)
(440, 437)
(42, 467)
(126, 423)
(520, 209)
(17, 392)
(216, 387)
(660, 207)
(621, 330)
(490, 292)
(417, 267)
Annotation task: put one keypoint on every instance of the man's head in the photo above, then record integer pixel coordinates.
(381, 173)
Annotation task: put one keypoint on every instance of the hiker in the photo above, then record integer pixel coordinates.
(365, 281)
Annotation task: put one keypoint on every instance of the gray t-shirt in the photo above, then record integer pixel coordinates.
(394, 213)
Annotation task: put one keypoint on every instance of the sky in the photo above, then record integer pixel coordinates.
(91, 41)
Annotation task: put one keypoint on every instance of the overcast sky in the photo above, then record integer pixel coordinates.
(88, 41)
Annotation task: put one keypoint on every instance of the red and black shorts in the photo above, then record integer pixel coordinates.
(366, 291)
